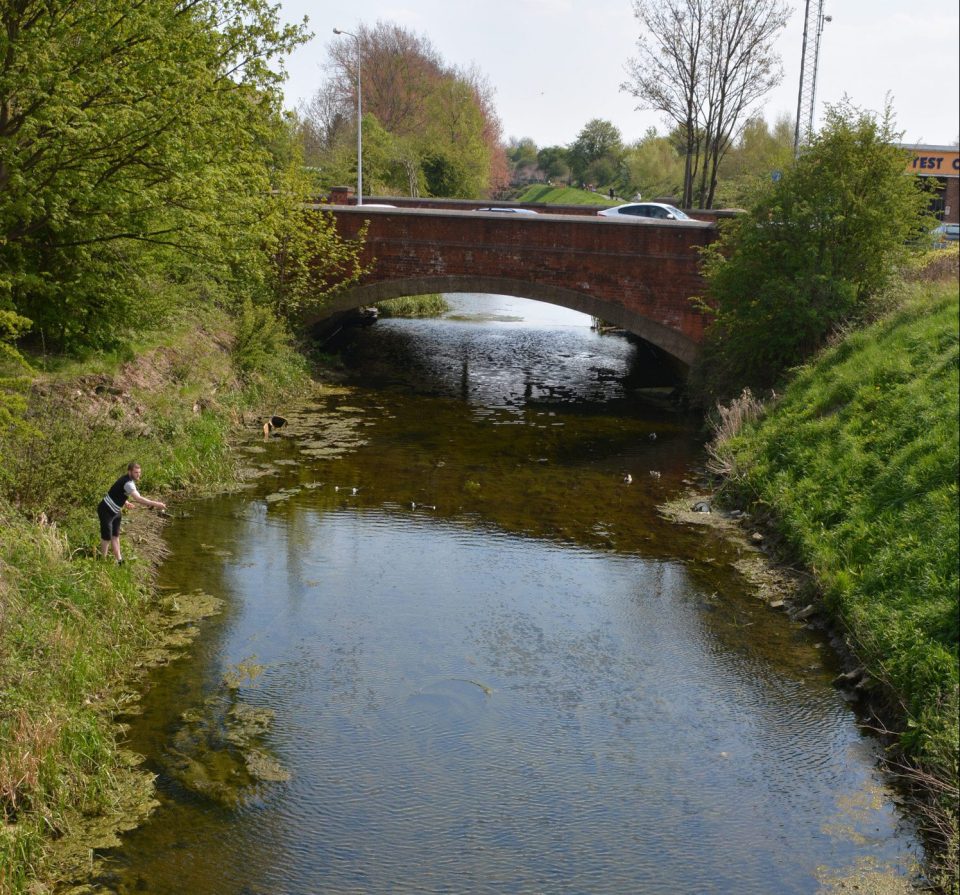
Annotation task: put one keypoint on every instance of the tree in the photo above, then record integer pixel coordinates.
(15, 372)
(522, 158)
(441, 118)
(325, 122)
(654, 168)
(131, 135)
(400, 70)
(553, 162)
(704, 63)
(455, 135)
(667, 76)
(753, 160)
(309, 262)
(598, 140)
(814, 250)
(742, 67)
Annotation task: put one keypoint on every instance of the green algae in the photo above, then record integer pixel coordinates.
(218, 752)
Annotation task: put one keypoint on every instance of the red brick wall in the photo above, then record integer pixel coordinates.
(951, 201)
(640, 276)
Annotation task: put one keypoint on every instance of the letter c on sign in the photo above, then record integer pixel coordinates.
(956, 163)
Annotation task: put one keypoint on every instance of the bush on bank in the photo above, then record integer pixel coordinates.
(856, 464)
(813, 253)
(70, 625)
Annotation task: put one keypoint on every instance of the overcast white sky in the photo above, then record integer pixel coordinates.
(556, 64)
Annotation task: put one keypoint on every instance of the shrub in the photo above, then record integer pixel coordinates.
(813, 251)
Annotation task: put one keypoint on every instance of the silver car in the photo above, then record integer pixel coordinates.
(658, 211)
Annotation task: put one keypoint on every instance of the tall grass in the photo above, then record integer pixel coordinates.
(68, 630)
(857, 464)
(432, 305)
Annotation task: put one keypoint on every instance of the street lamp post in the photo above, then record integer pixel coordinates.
(359, 119)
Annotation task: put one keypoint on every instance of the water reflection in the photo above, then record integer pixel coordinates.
(493, 667)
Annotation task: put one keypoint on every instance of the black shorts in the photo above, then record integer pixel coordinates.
(109, 522)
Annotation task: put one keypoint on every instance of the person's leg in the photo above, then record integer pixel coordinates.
(105, 516)
(115, 539)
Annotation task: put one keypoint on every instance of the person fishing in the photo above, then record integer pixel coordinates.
(109, 509)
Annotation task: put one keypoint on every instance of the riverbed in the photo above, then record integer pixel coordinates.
(461, 653)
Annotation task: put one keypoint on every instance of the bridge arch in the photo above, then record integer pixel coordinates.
(638, 275)
(671, 341)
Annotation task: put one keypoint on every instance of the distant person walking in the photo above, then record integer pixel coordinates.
(109, 509)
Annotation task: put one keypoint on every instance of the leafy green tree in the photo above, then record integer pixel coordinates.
(436, 130)
(15, 372)
(457, 158)
(308, 260)
(654, 167)
(553, 161)
(813, 251)
(760, 151)
(522, 152)
(522, 158)
(597, 140)
(132, 135)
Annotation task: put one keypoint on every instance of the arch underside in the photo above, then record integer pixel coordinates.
(673, 342)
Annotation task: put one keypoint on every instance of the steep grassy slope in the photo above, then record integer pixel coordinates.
(856, 465)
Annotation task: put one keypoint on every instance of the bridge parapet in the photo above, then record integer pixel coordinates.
(345, 196)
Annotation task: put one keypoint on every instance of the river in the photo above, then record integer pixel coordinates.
(459, 654)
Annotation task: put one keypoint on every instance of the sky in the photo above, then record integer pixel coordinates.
(556, 64)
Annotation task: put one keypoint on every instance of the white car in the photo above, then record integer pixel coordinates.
(510, 210)
(649, 210)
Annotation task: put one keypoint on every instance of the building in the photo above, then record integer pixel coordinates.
(943, 164)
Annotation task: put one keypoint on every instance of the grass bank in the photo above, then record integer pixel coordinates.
(76, 632)
(564, 195)
(856, 467)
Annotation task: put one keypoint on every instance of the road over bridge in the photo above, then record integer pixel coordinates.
(637, 275)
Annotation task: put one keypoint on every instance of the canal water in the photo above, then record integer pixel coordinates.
(459, 654)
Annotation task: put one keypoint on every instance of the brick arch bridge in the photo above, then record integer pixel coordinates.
(639, 276)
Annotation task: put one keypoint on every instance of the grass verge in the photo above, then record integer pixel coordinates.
(566, 195)
(856, 466)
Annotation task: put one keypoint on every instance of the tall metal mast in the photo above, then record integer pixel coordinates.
(809, 62)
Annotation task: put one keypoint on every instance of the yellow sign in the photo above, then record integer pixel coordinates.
(929, 162)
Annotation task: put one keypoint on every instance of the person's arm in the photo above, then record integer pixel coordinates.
(156, 504)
